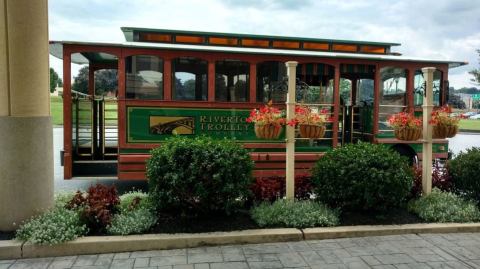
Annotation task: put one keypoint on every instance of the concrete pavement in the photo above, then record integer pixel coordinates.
(398, 251)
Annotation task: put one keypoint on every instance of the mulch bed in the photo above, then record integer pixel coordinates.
(391, 217)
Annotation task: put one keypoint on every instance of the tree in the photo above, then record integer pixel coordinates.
(455, 101)
(105, 81)
(476, 73)
(55, 80)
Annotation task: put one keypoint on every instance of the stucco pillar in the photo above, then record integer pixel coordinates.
(26, 139)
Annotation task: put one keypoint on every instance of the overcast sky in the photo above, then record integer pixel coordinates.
(437, 29)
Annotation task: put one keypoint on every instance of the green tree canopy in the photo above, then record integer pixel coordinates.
(476, 73)
(105, 81)
(55, 80)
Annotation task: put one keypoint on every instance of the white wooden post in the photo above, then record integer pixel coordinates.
(290, 130)
(427, 131)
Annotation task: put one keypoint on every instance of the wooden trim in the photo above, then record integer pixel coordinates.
(121, 109)
(336, 107)
(132, 176)
(211, 81)
(167, 79)
(194, 104)
(410, 88)
(67, 115)
(91, 81)
(253, 82)
(376, 101)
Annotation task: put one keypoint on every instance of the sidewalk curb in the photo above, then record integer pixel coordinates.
(109, 244)
(12, 249)
(379, 230)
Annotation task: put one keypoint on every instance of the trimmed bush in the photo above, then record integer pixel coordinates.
(134, 200)
(135, 221)
(441, 206)
(465, 175)
(199, 175)
(294, 214)
(53, 227)
(362, 176)
(63, 198)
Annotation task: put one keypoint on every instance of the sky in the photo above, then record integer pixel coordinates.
(436, 29)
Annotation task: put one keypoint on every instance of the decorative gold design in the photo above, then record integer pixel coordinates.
(172, 125)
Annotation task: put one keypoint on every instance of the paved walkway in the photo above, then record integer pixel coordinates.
(401, 251)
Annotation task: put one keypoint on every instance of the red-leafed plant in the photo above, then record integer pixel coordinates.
(273, 188)
(97, 205)
(441, 179)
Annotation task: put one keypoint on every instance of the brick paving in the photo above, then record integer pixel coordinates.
(395, 252)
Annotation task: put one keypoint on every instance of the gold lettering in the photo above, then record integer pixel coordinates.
(203, 118)
(209, 126)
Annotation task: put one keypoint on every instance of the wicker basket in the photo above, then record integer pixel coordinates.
(268, 131)
(312, 131)
(408, 134)
(444, 131)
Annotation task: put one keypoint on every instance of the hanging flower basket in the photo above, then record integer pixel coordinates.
(443, 131)
(268, 131)
(406, 126)
(311, 131)
(268, 121)
(408, 134)
(311, 124)
(444, 125)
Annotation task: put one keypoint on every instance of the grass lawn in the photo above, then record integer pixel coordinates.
(56, 108)
(470, 125)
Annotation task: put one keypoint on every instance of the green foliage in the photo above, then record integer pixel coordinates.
(105, 81)
(63, 198)
(362, 176)
(444, 207)
(199, 175)
(476, 73)
(133, 200)
(464, 172)
(53, 227)
(55, 80)
(294, 214)
(135, 221)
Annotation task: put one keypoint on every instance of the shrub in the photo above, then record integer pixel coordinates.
(441, 179)
(444, 207)
(272, 188)
(199, 175)
(362, 176)
(464, 172)
(96, 206)
(133, 200)
(63, 198)
(134, 221)
(295, 214)
(55, 226)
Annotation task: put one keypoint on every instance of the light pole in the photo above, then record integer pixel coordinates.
(290, 130)
(427, 131)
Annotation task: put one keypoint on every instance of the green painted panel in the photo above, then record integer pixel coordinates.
(155, 124)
